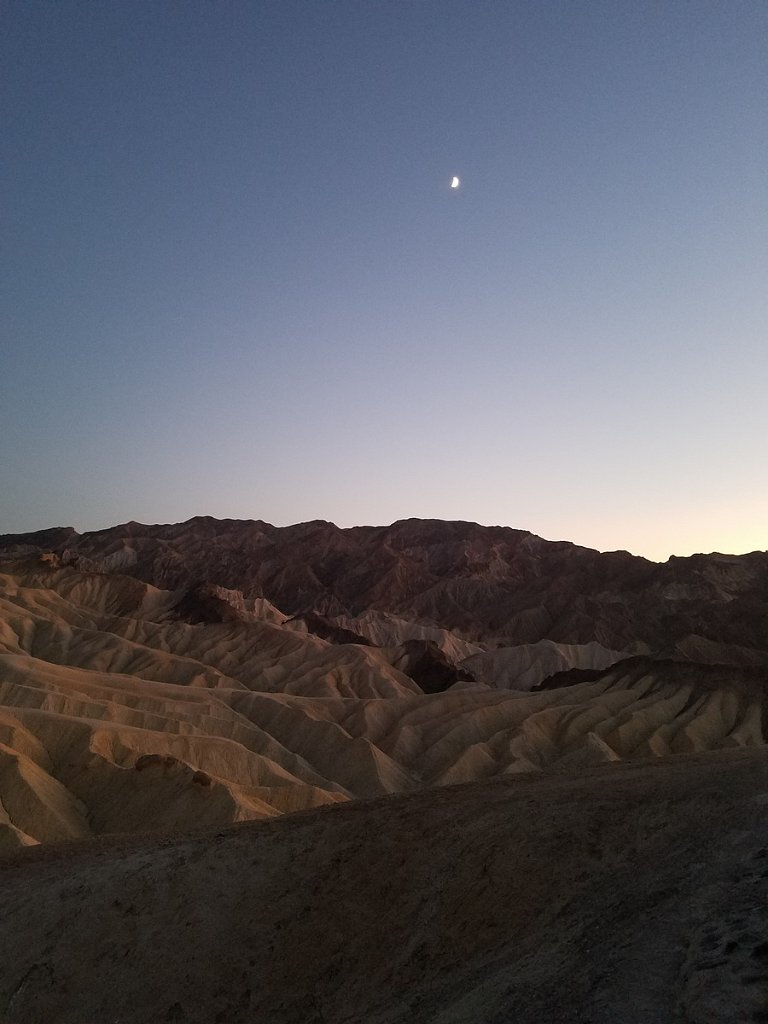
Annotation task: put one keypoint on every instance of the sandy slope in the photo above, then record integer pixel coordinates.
(631, 894)
(514, 668)
(525, 666)
(387, 630)
(116, 717)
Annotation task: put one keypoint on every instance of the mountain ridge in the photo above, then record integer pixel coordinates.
(490, 584)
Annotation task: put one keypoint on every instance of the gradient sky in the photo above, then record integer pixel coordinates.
(235, 281)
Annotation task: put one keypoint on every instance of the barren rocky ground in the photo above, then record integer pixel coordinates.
(629, 894)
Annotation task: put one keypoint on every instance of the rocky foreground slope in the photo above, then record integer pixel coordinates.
(628, 894)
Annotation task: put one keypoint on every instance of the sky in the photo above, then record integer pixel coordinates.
(235, 281)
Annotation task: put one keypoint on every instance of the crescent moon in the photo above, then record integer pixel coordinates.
(455, 182)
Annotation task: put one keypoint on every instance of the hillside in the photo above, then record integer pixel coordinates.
(624, 895)
(127, 708)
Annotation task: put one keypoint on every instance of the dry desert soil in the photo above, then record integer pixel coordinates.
(629, 894)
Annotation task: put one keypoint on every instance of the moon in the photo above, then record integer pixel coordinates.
(455, 182)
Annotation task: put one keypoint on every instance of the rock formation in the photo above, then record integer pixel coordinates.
(492, 585)
(164, 688)
(126, 707)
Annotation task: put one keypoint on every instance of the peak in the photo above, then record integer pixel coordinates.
(39, 537)
(315, 524)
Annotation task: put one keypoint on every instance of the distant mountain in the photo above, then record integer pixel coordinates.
(487, 585)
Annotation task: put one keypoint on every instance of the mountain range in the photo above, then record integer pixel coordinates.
(493, 585)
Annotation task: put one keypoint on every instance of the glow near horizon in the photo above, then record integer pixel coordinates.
(234, 287)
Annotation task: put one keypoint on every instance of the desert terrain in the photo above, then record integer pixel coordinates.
(229, 767)
(626, 894)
